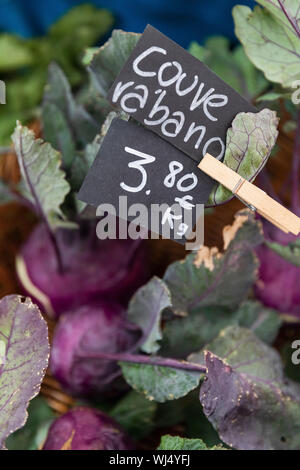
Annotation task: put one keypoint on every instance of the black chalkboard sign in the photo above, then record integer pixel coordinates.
(176, 96)
(140, 165)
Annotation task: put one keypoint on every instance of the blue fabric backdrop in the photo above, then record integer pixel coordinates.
(182, 20)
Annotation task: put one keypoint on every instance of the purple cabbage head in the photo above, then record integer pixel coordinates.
(92, 268)
(278, 283)
(86, 429)
(91, 329)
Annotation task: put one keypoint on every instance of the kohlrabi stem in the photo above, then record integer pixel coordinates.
(295, 169)
(290, 19)
(56, 249)
(39, 209)
(148, 360)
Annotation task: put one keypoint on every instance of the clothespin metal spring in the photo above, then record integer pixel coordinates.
(235, 192)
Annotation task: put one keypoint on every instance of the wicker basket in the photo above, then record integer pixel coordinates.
(17, 222)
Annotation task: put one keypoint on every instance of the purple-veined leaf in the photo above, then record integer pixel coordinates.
(249, 143)
(271, 38)
(245, 394)
(288, 12)
(24, 353)
(43, 183)
(210, 278)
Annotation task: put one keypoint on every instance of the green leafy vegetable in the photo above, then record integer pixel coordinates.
(287, 11)
(15, 53)
(82, 162)
(145, 310)
(232, 66)
(135, 414)
(264, 322)
(83, 159)
(107, 62)
(208, 278)
(249, 143)
(24, 352)
(290, 252)
(160, 383)
(33, 434)
(179, 443)
(186, 334)
(272, 96)
(43, 183)
(23, 62)
(81, 27)
(246, 396)
(58, 109)
(67, 125)
(182, 336)
(271, 39)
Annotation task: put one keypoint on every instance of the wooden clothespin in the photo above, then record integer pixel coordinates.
(251, 195)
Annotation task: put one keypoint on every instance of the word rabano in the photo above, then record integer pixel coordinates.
(177, 96)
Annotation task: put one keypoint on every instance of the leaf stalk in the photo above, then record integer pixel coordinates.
(147, 360)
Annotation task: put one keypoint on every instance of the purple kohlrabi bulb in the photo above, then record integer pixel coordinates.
(278, 285)
(92, 268)
(86, 429)
(91, 329)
